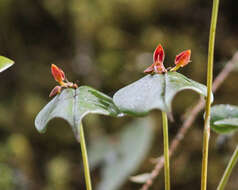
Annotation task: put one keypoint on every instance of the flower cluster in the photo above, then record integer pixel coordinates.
(181, 60)
(59, 77)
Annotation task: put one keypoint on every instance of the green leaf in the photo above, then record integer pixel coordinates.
(154, 92)
(224, 118)
(74, 104)
(122, 154)
(5, 63)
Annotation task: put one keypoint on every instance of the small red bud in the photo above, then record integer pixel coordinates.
(159, 54)
(58, 74)
(183, 58)
(56, 90)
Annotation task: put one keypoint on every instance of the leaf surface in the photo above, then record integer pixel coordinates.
(74, 104)
(154, 92)
(224, 118)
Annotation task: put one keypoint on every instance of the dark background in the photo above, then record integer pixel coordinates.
(105, 44)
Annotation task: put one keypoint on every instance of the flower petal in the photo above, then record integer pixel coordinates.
(150, 69)
(159, 54)
(159, 68)
(57, 73)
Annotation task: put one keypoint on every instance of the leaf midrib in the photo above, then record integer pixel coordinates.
(164, 91)
(75, 102)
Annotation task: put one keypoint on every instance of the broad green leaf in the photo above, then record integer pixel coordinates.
(154, 92)
(122, 154)
(73, 104)
(5, 63)
(224, 118)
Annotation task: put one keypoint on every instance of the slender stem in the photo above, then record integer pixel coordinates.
(166, 151)
(175, 68)
(206, 134)
(85, 159)
(228, 170)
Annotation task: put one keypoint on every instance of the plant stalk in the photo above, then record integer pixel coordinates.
(175, 68)
(206, 133)
(85, 159)
(228, 170)
(166, 151)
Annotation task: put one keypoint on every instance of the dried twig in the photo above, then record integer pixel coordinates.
(189, 121)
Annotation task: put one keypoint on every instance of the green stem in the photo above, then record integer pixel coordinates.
(228, 170)
(175, 68)
(166, 151)
(206, 134)
(85, 159)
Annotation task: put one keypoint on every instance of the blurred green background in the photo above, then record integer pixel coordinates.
(105, 44)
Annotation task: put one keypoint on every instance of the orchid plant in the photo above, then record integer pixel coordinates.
(156, 90)
(73, 103)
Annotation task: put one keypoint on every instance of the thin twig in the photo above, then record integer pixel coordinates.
(189, 121)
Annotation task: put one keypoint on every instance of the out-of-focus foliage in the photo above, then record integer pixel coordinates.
(121, 154)
(107, 45)
(57, 174)
(224, 118)
(5, 63)
(7, 180)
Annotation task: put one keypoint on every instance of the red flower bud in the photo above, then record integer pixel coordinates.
(58, 74)
(157, 66)
(183, 58)
(159, 54)
(56, 90)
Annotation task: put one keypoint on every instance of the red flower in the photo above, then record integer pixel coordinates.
(157, 66)
(58, 74)
(182, 59)
(159, 54)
